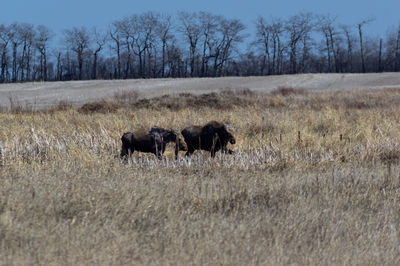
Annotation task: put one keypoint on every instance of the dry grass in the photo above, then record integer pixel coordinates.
(314, 180)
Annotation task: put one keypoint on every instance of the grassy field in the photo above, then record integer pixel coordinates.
(315, 179)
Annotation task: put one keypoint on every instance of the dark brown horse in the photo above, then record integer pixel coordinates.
(153, 141)
(212, 137)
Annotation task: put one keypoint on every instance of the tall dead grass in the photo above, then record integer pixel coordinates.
(314, 180)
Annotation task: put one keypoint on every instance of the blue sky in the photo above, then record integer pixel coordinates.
(65, 14)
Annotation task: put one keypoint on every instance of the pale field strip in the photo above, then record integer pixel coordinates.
(43, 95)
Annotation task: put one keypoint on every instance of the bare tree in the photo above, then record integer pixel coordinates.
(146, 47)
(392, 53)
(5, 39)
(327, 28)
(230, 34)
(139, 34)
(116, 36)
(298, 27)
(99, 42)
(124, 30)
(26, 34)
(380, 66)
(276, 29)
(176, 67)
(396, 49)
(42, 40)
(350, 40)
(191, 29)
(59, 67)
(15, 43)
(264, 35)
(269, 37)
(78, 39)
(163, 31)
(209, 26)
(359, 26)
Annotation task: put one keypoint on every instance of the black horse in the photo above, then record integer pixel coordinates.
(153, 141)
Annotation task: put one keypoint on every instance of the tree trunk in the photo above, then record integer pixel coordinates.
(28, 64)
(59, 70)
(14, 63)
(128, 63)
(80, 65)
(164, 45)
(44, 66)
(397, 52)
(380, 69)
(118, 61)
(361, 48)
(3, 64)
(293, 64)
(334, 52)
(94, 70)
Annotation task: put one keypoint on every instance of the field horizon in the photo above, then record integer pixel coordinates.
(45, 95)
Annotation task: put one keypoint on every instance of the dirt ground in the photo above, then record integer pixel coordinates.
(42, 95)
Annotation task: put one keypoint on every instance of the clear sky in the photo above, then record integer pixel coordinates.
(65, 14)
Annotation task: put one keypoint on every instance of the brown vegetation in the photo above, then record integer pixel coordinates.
(314, 180)
(223, 100)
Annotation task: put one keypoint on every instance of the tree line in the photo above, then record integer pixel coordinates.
(197, 44)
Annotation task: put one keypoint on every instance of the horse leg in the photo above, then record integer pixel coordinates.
(212, 153)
